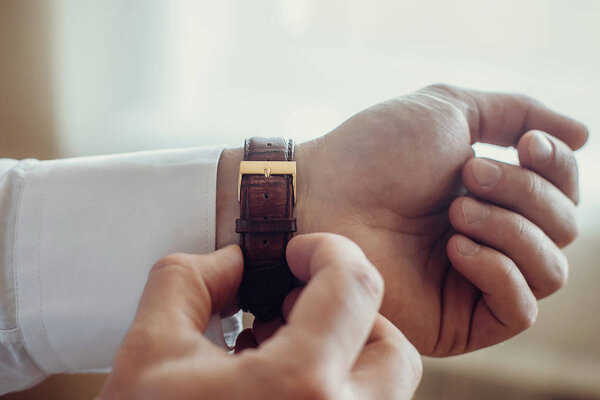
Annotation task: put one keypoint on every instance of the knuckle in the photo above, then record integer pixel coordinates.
(406, 355)
(413, 359)
(526, 318)
(570, 231)
(367, 279)
(521, 228)
(439, 87)
(452, 103)
(351, 266)
(299, 378)
(312, 384)
(572, 177)
(296, 379)
(395, 345)
(564, 170)
(170, 260)
(527, 103)
(508, 266)
(527, 99)
(567, 157)
(181, 269)
(559, 275)
(534, 188)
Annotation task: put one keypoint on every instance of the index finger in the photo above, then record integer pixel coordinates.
(502, 118)
(335, 312)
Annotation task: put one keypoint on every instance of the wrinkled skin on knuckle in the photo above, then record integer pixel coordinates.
(552, 275)
(401, 368)
(367, 280)
(357, 280)
(559, 274)
(413, 372)
(520, 229)
(137, 348)
(527, 317)
(525, 314)
(407, 359)
(413, 358)
(416, 368)
(170, 260)
(570, 228)
(313, 384)
(509, 269)
(441, 90)
(266, 375)
(565, 170)
(446, 112)
(291, 377)
(534, 186)
(183, 266)
(571, 165)
(460, 100)
(353, 271)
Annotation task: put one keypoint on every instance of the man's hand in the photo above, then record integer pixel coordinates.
(465, 245)
(334, 346)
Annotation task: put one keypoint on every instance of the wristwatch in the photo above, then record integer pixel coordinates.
(267, 193)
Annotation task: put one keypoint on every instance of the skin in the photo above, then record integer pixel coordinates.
(400, 180)
(336, 345)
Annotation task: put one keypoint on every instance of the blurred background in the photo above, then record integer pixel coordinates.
(97, 77)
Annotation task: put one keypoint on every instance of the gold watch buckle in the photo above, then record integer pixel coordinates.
(267, 168)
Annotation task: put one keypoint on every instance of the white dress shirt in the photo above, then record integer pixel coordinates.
(78, 237)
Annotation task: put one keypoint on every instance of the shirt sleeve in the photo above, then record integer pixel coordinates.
(78, 237)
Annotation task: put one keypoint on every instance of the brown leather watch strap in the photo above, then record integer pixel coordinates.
(265, 226)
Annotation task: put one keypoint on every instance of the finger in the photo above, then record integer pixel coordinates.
(263, 331)
(552, 159)
(290, 301)
(389, 366)
(184, 289)
(244, 341)
(525, 192)
(334, 313)
(540, 261)
(507, 305)
(502, 118)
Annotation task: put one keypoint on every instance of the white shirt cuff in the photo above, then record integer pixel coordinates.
(87, 232)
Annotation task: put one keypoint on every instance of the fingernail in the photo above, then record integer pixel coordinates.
(466, 246)
(473, 211)
(485, 172)
(540, 148)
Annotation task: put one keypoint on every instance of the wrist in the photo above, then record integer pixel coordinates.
(228, 207)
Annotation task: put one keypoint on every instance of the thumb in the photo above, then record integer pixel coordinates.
(184, 287)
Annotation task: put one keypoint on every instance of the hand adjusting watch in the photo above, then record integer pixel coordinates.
(267, 193)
